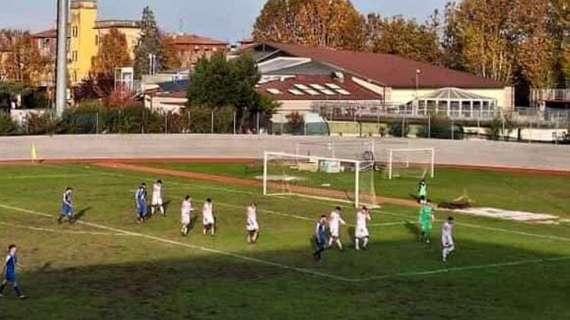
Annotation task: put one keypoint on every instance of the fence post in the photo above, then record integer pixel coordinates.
(503, 126)
(258, 124)
(189, 122)
(429, 126)
(212, 123)
(166, 123)
(97, 122)
(452, 129)
(235, 119)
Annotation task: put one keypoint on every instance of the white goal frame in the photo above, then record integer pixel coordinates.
(357, 167)
(410, 150)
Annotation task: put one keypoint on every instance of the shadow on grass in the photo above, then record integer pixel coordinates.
(80, 214)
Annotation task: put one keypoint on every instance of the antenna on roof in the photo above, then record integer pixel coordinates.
(180, 25)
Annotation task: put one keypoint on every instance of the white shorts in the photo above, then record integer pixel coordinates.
(361, 232)
(206, 220)
(252, 227)
(335, 232)
(185, 219)
(156, 201)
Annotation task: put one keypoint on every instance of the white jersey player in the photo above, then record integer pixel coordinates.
(208, 219)
(447, 239)
(252, 226)
(157, 198)
(361, 231)
(186, 215)
(335, 220)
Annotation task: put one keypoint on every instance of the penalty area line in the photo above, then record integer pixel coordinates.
(191, 246)
(91, 233)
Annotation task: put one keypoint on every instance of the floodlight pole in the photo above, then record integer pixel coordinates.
(61, 70)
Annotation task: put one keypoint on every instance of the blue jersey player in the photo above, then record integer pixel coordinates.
(140, 202)
(9, 272)
(66, 206)
(320, 237)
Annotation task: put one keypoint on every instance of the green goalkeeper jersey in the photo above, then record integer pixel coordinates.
(425, 215)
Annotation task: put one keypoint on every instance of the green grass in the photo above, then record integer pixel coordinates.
(73, 275)
(513, 191)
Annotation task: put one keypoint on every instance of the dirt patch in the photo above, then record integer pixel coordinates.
(318, 192)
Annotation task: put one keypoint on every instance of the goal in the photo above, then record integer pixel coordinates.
(411, 163)
(344, 180)
(357, 149)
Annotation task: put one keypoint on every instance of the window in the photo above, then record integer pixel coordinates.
(96, 39)
(74, 56)
(45, 43)
(74, 31)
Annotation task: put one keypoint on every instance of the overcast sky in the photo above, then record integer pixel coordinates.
(224, 19)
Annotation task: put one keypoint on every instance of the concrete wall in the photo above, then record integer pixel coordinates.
(476, 153)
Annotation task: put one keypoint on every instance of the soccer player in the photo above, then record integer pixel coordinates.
(66, 206)
(422, 190)
(361, 232)
(335, 220)
(186, 213)
(208, 219)
(320, 237)
(9, 272)
(156, 202)
(426, 219)
(447, 239)
(140, 202)
(252, 226)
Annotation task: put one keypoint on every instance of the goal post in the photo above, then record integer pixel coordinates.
(344, 180)
(411, 162)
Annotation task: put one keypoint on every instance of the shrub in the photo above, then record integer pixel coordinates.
(396, 129)
(442, 128)
(7, 125)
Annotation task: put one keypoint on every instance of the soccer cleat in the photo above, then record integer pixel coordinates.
(23, 297)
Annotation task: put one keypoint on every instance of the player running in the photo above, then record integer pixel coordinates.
(320, 237)
(208, 219)
(335, 220)
(447, 239)
(422, 190)
(9, 272)
(156, 202)
(186, 215)
(361, 233)
(66, 206)
(140, 202)
(426, 219)
(252, 226)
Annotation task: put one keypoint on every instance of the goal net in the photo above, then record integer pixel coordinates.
(411, 163)
(344, 180)
(357, 149)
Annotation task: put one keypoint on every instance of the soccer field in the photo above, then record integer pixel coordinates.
(107, 266)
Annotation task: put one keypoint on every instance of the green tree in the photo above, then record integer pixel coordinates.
(149, 44)
(23, 62)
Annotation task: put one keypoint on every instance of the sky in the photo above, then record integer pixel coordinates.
(228, 20)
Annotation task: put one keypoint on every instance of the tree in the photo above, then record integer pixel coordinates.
(319, 23)
(23, 62)
(218, 83)
(403, 37)
(170, 54)
(113, 53)
(149, 44)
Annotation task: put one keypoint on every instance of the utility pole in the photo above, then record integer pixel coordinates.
(61, 71)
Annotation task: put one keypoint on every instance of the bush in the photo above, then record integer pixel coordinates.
(495, 129)
(396, 129)
(7, 125)
(441, 128)
(38, 124)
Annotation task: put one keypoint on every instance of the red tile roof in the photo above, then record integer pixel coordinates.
(389, 70)
(51, 33)
(353, 91)
(193, 39)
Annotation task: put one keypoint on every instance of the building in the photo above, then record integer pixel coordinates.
(85, 32)
(190, 48)
(307, 79)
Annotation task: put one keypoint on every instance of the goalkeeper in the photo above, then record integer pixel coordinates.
(426, 218)
(422, 190)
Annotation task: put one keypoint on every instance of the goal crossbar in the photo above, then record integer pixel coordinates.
(430, 151)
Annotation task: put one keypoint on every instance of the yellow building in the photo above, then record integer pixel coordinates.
(86, 31)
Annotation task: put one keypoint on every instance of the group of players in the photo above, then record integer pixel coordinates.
(327, 230)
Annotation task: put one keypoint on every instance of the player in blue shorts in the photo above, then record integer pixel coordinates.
(140, 202)
(9, 272)
(320, 237)
(66, 206)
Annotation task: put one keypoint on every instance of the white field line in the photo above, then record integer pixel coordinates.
(466, 268)
(191, 246)
(477, 226)
(298, 269)
(91, 233)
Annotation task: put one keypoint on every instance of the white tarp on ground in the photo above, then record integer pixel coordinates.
(509, 215)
